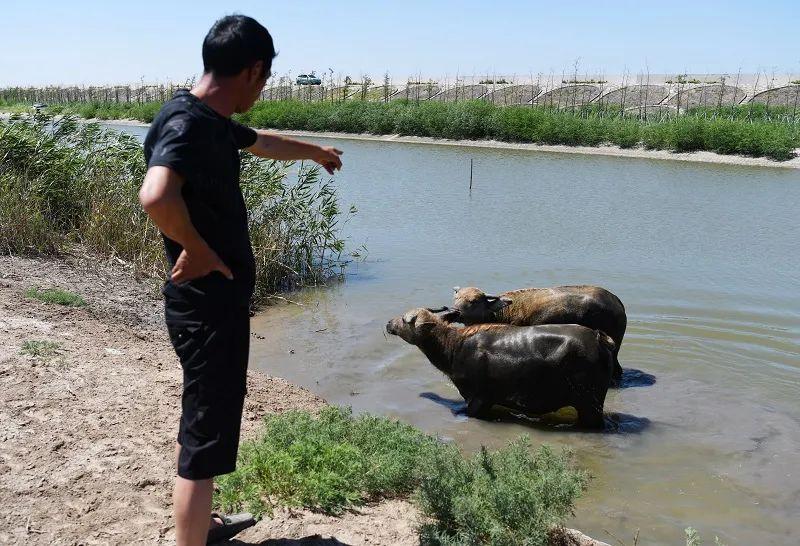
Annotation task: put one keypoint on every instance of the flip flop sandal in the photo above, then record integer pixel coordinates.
(231, 526)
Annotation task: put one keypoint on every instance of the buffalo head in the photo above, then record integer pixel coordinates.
(476, 307)
(413, 325)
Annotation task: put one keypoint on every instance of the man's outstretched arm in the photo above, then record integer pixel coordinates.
(160, 196)
(274, 146)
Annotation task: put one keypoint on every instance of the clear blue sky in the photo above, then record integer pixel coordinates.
(82, 41)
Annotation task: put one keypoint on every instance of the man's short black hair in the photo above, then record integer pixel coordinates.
(234, 43)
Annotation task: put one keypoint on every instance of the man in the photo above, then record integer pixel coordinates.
(191, 191)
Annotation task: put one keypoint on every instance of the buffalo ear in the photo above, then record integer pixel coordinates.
(450, 315)
(424, 326)
(496, 304)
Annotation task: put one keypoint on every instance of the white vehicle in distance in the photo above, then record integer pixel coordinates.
(308, 79)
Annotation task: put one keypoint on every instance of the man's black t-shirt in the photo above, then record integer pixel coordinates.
(203, 146)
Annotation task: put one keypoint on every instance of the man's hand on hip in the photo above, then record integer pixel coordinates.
(198, 263)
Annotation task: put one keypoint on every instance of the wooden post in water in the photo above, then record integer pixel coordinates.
(470, 174)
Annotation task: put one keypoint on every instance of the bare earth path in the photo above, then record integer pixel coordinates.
(86, 433)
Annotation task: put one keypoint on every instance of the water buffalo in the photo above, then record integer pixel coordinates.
(532, 369)
(589, 306)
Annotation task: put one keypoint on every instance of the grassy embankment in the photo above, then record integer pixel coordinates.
(747, 130)
(65, 183)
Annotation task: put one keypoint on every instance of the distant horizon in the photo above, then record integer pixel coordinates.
(89, 43)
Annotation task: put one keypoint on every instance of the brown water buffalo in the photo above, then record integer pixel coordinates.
(532, 369)
(589, 306)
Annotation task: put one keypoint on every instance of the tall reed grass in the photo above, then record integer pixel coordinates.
(64, 183)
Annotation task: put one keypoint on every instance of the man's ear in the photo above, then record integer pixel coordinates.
(256, 71)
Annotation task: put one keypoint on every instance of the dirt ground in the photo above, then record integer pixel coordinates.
(87, 432)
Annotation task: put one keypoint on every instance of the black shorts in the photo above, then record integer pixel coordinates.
(213, 348)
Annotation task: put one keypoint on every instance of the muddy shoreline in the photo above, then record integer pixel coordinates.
(87, 432)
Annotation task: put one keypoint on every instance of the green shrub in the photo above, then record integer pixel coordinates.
(688, 134)
(326, 462)
(64, 182)
(657, 136)
(751, 138)
(40, 348)
(511, 497)
(626, 134)
(56, 296)
(25, 225)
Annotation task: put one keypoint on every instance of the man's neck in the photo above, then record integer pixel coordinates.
(216, 95)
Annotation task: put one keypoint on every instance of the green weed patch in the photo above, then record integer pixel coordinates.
(56, 296)
(326, 463)
(513, 496)
(40, 348)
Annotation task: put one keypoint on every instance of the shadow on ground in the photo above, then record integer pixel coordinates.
(313, 540)
(562, 421)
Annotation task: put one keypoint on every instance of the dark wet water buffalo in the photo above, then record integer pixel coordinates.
(590, 306)
(532, 369)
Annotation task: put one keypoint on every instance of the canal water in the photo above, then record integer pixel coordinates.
(706, 258)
